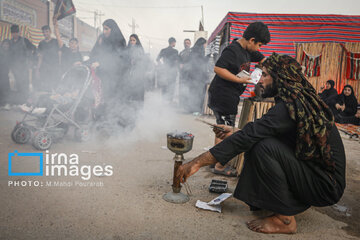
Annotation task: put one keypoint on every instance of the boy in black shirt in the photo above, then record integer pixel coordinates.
(226, 87)
(69, 56)
(48, 64)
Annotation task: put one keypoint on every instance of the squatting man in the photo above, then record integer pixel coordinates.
(294, 155)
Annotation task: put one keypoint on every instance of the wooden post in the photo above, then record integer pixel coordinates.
(206, 110)
(251, 110)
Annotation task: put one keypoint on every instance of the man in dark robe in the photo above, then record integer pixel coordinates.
(184, 57)
(294, 155)
(21, 50)
(168, 60)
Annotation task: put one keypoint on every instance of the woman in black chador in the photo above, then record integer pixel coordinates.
(329, 94)
(346, 104)
(197, 77)
(136, 70)
(107, 58)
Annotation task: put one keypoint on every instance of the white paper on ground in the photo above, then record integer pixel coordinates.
(256, 75)
(220, 199)
(213, 205)
(204, 205)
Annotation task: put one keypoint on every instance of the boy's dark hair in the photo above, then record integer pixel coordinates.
(171, 40)
(45, 27)
(259, 31)
(74, 39)
(14, 28)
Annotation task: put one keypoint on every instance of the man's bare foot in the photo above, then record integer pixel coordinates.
(273, 224)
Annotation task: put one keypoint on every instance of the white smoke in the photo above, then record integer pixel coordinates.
(154, 119)
(149, 122)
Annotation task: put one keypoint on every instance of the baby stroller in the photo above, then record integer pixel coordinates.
(69, 105)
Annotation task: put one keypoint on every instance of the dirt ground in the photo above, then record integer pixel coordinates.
(129, 203)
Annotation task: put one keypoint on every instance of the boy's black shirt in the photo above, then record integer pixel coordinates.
(49, 51)
(20, 52)
(68, 58)
(170, 56)
(224, 95)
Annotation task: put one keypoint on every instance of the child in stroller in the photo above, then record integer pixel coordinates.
(49, 115)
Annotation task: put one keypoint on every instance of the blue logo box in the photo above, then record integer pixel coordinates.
(15, 153)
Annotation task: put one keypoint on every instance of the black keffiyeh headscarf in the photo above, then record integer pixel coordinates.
(313, 117)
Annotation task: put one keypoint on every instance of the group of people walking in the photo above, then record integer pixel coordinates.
(124, 68)
(119, 65)
(192, 66)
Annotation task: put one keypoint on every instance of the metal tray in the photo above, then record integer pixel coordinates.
(218, 186)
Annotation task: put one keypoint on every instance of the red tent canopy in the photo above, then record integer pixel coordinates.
(288, 29)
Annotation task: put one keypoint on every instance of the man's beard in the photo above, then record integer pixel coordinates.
(269, 91)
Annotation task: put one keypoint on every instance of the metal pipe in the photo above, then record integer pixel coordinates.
(176, 181)
(178, 143)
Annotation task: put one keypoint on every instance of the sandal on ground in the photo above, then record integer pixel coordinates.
(227, 171)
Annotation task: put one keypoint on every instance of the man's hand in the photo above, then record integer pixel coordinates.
(186, 170)
(190, 168)
(224, 134)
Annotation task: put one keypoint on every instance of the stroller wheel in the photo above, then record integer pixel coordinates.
(82, 134)
(42, 140)
(17, 126)
(21, 134)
